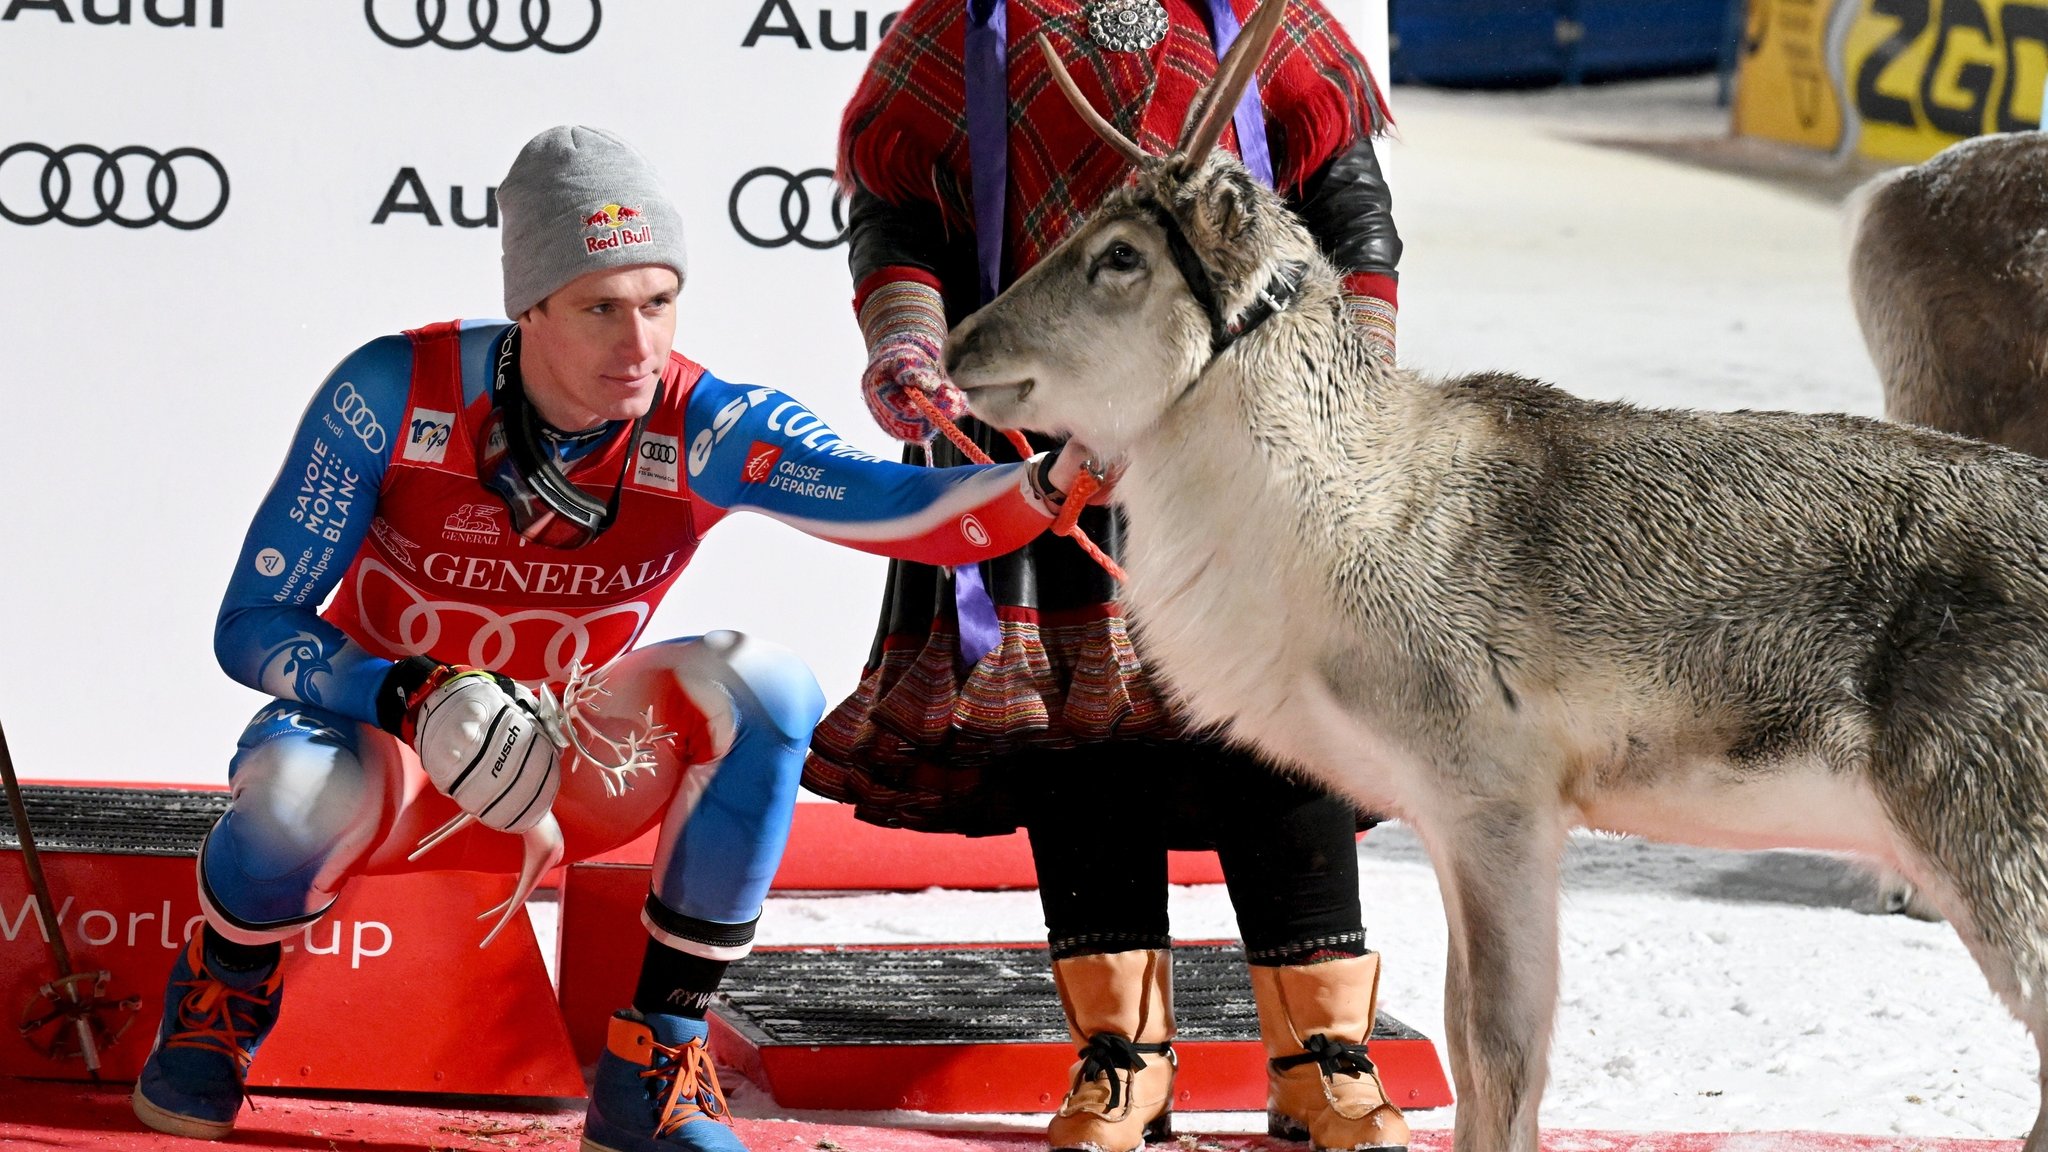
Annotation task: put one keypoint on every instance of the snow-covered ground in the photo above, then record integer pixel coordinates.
(1701, 990)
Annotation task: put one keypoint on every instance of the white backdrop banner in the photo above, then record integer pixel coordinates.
(205, 204)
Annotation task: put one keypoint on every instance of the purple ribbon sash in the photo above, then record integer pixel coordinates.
(1250, 117)
(988, 146)
(987, 51)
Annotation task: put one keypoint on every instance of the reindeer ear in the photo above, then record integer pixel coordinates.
(1223, 205)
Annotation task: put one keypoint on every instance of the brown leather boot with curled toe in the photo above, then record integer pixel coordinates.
(1321, 1086)
(1119, 1008)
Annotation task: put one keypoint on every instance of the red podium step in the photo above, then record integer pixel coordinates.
(382, 994)
(947, 1028)
(940, 1028)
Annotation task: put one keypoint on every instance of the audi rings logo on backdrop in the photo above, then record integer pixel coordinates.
(410, 25)
(771, 207)
(82, 185)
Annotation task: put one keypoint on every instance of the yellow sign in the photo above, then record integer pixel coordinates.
(1923, 74)
(1786, 91)
(1901, 79)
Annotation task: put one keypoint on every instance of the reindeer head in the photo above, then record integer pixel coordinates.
(1124, 316)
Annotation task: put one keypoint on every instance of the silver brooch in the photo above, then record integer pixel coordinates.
(1126, 25)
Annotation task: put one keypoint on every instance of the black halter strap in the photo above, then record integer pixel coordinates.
(1201, 285)
(1280, 292)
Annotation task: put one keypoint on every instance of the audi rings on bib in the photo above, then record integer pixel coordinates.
(796, 209)
(430, 17)
(109, 185)
(561, 640)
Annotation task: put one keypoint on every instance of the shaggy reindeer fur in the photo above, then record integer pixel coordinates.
(1949, 273)
(1500, 611)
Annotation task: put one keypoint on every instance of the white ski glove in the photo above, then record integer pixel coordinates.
(487, 744)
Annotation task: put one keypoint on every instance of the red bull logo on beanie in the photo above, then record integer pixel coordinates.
(612, 226)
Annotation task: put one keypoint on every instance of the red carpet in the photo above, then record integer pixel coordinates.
(47, 1117)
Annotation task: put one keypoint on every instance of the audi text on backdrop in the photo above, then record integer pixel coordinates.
(778, 18)
(408, 193)
(184, 14)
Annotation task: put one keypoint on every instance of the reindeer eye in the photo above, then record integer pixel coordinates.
(1120, 257)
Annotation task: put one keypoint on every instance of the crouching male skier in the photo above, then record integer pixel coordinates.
(489, 513)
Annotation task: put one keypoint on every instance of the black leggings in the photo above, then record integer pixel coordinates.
(1103, 816)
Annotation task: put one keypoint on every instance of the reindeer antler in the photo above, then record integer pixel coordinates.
(1215, 105)
(1218, 101)
(1124, 145)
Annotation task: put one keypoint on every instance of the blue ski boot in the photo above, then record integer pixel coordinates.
(656, 1090)
(213, 1021)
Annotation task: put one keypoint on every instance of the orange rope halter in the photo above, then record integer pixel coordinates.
(1085, 485)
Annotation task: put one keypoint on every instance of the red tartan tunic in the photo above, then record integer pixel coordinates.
(920, 743)
(905, 130)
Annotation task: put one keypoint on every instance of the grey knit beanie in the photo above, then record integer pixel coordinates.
(578, 200)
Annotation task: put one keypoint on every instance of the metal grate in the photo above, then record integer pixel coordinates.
(115, 821)
(964, 996)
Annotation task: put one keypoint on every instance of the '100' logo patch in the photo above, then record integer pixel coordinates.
(426, 435)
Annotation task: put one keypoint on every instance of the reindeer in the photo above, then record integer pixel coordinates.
(1499, 611)
(1948, 272)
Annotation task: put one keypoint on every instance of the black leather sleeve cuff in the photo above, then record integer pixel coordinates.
(881, 235)
(1350, 211)
(400, 683)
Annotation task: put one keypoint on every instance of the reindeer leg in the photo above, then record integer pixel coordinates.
(1497, 862)
(1457, 1001)
(2037, 1140)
